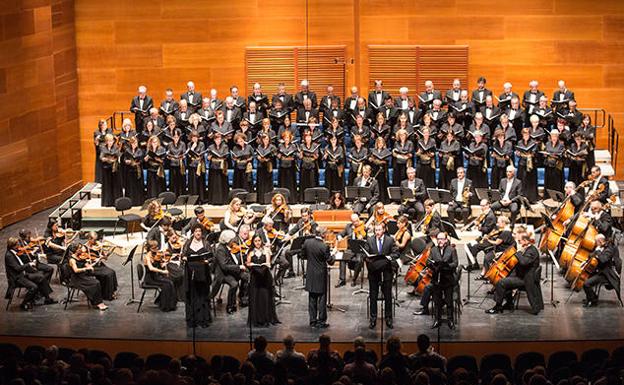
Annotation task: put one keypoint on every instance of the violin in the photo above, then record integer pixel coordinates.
(360, 230)
(382, 218)
(160, 256)
(27, 249)
(206, 223)
(490, 235)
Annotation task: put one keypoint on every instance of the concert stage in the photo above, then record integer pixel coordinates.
(566, 323)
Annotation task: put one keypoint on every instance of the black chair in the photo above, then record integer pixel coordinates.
(230, 364)
(538, 281)
(157, 361)
(65, 280)
(94, 356)
(525, 361)
(34, 354)
(122, 204)
(169, 198)
(11, 292)
(145, 286)
(66, 354)
(617, 356)
(495, 361)
(125, 360)
(467, 362)
(561, 359)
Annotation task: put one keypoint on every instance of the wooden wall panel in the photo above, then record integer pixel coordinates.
(40, 151)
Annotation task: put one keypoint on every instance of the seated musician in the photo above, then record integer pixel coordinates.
(229, 270)
(522, 276)
(461, 188)
(154, 214)
(487, 223)
(431, 224)
(33, 250)
(576, 197)
(159, 233)
(22, 272)
(380, 216)
(413, 208)
(56, 242)
(175, 243)
(601, 219)
(599, 180)
(104, 274)
(279, 212)
(496, 241)
(236, 215)
(403, 237)
(306, 226)
(606, 272)
(366, 180)
(511, 190)
(157, 274)
(200, 219)
(274, 239)
(83, 278)
(354, 230)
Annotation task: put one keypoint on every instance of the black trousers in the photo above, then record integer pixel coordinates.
(384, 278)
(426, 296)
(317, 307)
(592, 282)
(354, 264)
(413, 210)
(46, 270)
(235, 286)
(34, 283)
(481, 246)
(504, 287)
(513, 207)
(443, 295)
(457, 211)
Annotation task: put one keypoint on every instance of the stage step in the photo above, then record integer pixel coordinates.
(606, 169)
(602, 156)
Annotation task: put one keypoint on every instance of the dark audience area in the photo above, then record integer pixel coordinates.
(323, 365)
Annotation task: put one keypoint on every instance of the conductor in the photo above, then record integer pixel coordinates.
(318, 256)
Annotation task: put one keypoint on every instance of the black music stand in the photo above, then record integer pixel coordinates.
(392, 227)
(129, 261)
(281, 298)
(399, 194)
(186, 200)
(439, 196)
(150, 200)
(285, 192)
(359, 246)
(555, 195)
(251, 197)
(297, 245)
(449, 228)
(316, 195)
(482, 193)
(357, 192)
(330, 305)
(205, 258)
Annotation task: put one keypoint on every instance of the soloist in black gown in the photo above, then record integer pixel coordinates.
(261, 294)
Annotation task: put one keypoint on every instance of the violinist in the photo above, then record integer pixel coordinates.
(132, 159)
(218, 186)
(553, 163)
(607, 272)
(32, 249)
(309, 154)
(236, 215)
(287, 154)
(154, 214)
(196, 167)
(496, 241)
(261, 290)
(159, 232)
(306, 226)
(56, 242)
(154, 160)
(279, 212)
(82, 276)
(197, 279)
(403, 237)
(461, 191)
(22, 272)
(443, 261)
(380, 216)
(354, 230)
(175, 242)
(337, 201)
(104, 274)
(523, 276)
(510, 189)
(242, 155)
(229, 269)
(265, 155)
(200, 220)
(597, 181)
(176, 152)
(111, 178)
(413, 207)
(155, 263)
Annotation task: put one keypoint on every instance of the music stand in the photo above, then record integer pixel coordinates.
(129, 261)
(203, 257)
(315, 195)
(251, 197)
(281, 299)
(495, 195)
(449, 228)
(555, 195)
(330, 305)
(150, 200)
(186, 200)
(359, 246)
(439, 196)
(399, 194)
(391, 227)
(482, 193)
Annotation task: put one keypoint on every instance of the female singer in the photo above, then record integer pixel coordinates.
(403, 124)
(477, 159)
(222, 127)
(195, 124)
(217, 175)
(265, 154)
(449, 159)
(309, 153)
(526, 149)
(98, 141)
(266, 130)
(111, 181)
(334, 130)
(176, 152)
(82, 277)
(196, 167)
(564, 132)
(132, 158)
(235, 214)
(577, 156)
(553, 163)
(379, 158)
(337, 201)
(156, 274)
(149, 130)
(167, 135)
(242, 155)
(154, 158)
(261, 290)
(426, 152)
(589, 135)
(537, 132)
(403, 238)
(334, 165)
(197, 280)
(479, 125)
(380, 128)
(428, 125)
(452, 126)
(286, 127)
(357, 158)
(126, 133)
(402, 156)
(501, 157)
(360, 129)
(508, 129)
(287, 155)
(104, 274)
(176, 273)
(279, 212)
(314, 129)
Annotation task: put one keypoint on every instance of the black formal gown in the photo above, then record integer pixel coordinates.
(334, 168)
(449, 161)
(264, 170)
(197, 171)
(527, 168)
(99, 136)
(426, 168)
(499, 163)
(242, 157)
(177, 169)
(475, 170)
(134, 187)
(287, 169)
(111, 176)
(261, 294)
(553, 167)
(577, 162)
(167, 299)
(108, 280)
(379, 167)
(155, 173)
(308, 177)
(399, 165)
(197, 281)
(357, 159)
(87, 283)
(218, 186)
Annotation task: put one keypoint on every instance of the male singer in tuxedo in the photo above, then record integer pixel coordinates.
(193, 98)
(381, 267)
(377, 96)
(443, 262)
(510, 188)
(140, 106)
(229, 269)
(305, 93)
(319, 257)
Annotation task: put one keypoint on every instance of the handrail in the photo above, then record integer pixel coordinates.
(597, 112)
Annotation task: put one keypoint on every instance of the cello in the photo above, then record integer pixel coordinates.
(502, 266)
(418, 274)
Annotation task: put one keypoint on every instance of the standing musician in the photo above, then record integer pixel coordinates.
(501, 157)
(82, 277)
(426, 153)
(236, 215)
(553, 163)
(380, 216)
(589, 135)
(381, 267)
(511, 189)
(21, 272)
(111, 178)
(597, 181)
(402, 154)
(334, 158)
(230, 270)
(309, 154)
(496, 241)
(155, 262)
(319, 257)
(132, 159)
(449, 158)
(526, 150)
(104, 274)
(523, 276)
(98, 141)
(265, 155)
(380, 157)
(197, 279)
(443, 262)
(461, 191)
(413, 208)
(576, 155)
(607, 272)
(279, 212)
(287, 155)
(261, 290)
(32, 248)
(354, 230)
(366, 180)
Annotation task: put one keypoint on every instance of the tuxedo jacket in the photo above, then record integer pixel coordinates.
(388, 249)
(454, 181)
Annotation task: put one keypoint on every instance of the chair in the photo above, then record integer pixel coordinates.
(157, 361)
(169, 198)
(617, 356)
(538, 275)
(525, 361)
(94, 356)
(145, 286)
(9, 351)
(561, 359)
(496, 361)
(34, 354)
(122, 204)
(467, 362)
(11, 292)
(65, 280)
(124, 360)
(65, 354)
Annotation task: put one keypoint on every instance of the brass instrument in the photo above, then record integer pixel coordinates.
(475, 222)
(466, 196)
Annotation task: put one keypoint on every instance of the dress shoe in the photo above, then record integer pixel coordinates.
(322, 325)
(313, 324)
(451, 324)
(435, 325)
(495, 310)
(340, 283)
(26, 306)
(422, 311)
(49, 301)
(591, 304)
(389, 324)
(373, 323)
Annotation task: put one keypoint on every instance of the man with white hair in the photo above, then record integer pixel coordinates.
(504, 100)
(305, 93)
(261, 100)
(231, 113)
(377, 96)
(402, 101)
(606, 273)
(516, 115)
(193, 98)
(229, 269)
(427, 97)
(561, 97)
(438, 116)
(155, 118)
(140, 106)
(350, 104)
(531, 97)
(206, 112)
(454, 93)
(491, 113)
(326, 102)
(215, 102)
(510, 189)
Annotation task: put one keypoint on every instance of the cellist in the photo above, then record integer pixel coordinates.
(607, 272)
(522, 276)
(496, 241)
(602, 220)
(354, 230)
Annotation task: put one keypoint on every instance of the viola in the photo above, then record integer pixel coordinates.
(360, 230)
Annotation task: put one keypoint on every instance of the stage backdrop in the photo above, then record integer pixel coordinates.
(39, 139)
(164, 43)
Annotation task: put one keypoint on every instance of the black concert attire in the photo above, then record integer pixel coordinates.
(197, 280)
(107, 278)
(589, 135)
(140, 107)
(197, 171)
(357, 159)
(318, 256)
(577, 161)
(510, 192)
(99, 137)
(155, 172)
(134, 187)
(490, 255)
(20, 274)
(354, 259)
(261, 292)
(362, 204)
(167, 298)
(381, 270)
(501, 155)
(458, 209)
(413, 208)
(527, 168)
(524, 275)
(402, 158)
(111, 178)
(477, 172)
(309, 173)
(479, 95)
(218, 186)
(86, 282)
(287, 156)
(449, 161)
(553, 165)
(168, 107)
(426, 168)
(334, 168)
(243, 158)
(607, 272)
(228, 271)
(264, 170)
(379, 159)
(443, 262)
(177, 169)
